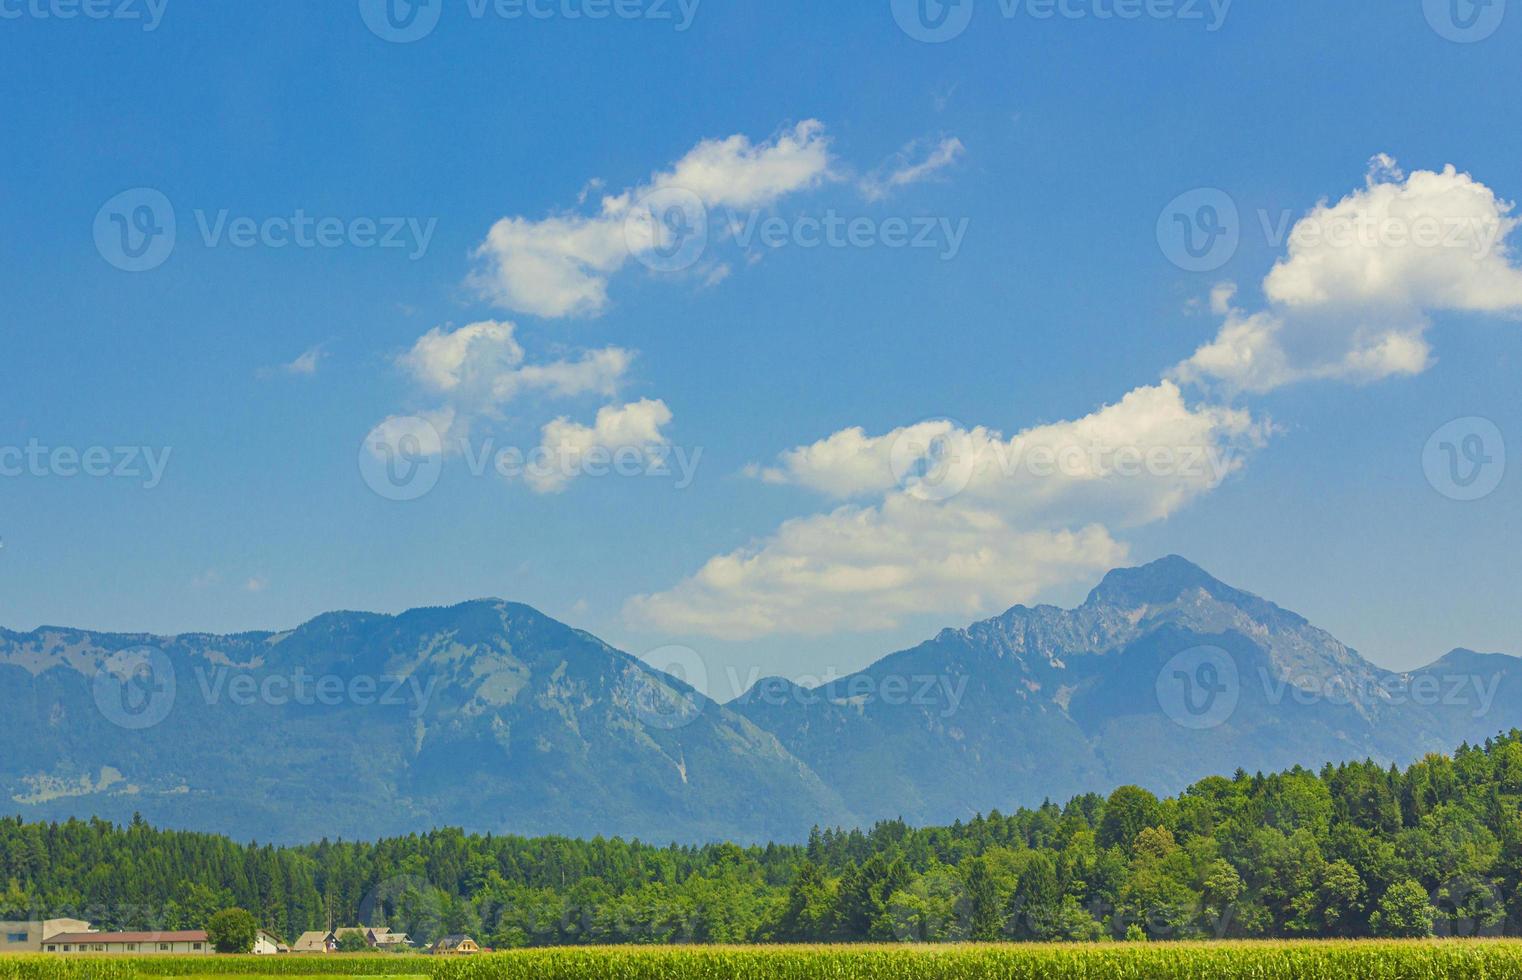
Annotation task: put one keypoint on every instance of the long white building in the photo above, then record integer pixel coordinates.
(135, 943)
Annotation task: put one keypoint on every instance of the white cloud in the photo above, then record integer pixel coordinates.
(965, 521)
(567, 448)
(483, 365)
(942, 518)
(304, 366)
(1353, 298)
(904, 169)
(559, 266)
(413, 436)
(866, 568)
(444, 360)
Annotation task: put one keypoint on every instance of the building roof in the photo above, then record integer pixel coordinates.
(182, 936)
(311, 940)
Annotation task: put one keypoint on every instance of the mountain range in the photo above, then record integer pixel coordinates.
(491, 716)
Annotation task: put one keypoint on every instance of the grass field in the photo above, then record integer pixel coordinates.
(1434, 960)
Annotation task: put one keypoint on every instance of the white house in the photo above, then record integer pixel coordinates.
(267, 943)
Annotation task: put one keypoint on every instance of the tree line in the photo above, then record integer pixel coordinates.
(1357, 849)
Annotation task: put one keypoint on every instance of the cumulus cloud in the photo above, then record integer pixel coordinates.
(484, 365)
(866, 568)
(1353, 297)
(567, 448)
(478, 369)
(411, 436)
(910, 166)
(956, 520)
(560, 266)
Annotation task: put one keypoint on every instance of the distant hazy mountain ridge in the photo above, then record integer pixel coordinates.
(491, 716)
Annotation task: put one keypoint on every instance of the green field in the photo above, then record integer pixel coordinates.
(1353, 960)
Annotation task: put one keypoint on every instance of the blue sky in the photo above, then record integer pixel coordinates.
(1054, 145)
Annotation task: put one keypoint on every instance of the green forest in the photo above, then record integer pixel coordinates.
(1355, 850)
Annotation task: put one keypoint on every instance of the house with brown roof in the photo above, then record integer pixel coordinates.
(135, 943)
(319, 941)
(382, 937)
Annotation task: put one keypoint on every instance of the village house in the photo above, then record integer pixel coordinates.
(375, 937)
(319, 941)
(136, 943)
(381, 937)
(267, 943)
(455, 945)
(29, 936)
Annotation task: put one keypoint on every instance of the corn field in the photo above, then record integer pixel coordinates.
(1359, 960)
(1112, 961)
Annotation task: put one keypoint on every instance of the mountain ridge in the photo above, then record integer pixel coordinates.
(510, 720)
